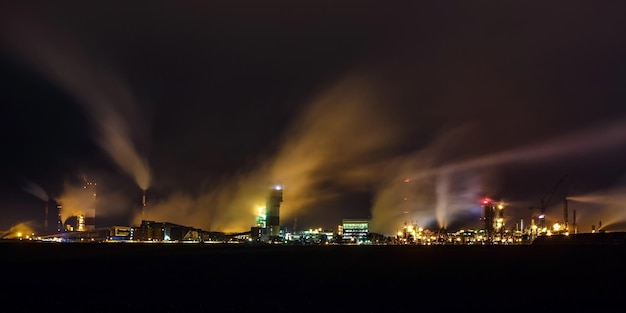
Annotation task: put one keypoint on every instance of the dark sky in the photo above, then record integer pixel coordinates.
(206, 105)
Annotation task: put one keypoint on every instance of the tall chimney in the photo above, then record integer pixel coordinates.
(59, 219)
(574, 222)
(45, 221)
(143, 205)
(565, 217)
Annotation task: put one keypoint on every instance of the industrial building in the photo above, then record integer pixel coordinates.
(354, 230)
(267, 228)
(164, 231)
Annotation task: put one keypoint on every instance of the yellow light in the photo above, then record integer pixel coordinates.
(399, 234)
(19, 234)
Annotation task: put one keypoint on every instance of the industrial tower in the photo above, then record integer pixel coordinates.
(493, 216)
(272, 210)
(489, 217)
(90, 206)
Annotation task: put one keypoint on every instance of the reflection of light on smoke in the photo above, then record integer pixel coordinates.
(20, 230)
(36, 191)
(421, 166)
(609, 136)
(74, 201)
(324, 144)
(607, 207)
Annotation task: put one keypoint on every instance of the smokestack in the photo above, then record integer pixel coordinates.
(143, 205)
(59, 219)
(565, 213)
(542, 217)
(273, 213)
(574, 222)
(90, 210)
(45, 220)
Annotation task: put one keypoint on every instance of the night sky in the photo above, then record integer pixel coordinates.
(408, 111)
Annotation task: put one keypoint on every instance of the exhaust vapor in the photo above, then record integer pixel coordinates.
(607, 207)
(74, 201)
(20, 230)
(36, 190)
(101, 92)
(338, 140)
(347, 139)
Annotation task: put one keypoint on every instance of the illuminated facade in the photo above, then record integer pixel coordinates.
(164, 231)
(493, 217)
(355, 230)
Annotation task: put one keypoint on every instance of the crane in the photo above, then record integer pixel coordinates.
(544, 204)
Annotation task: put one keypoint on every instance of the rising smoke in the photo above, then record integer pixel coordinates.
(74, 200)
(20, 230)
(35, 190)
(345, 137)
(341, 137)
(105, 97)
(607, 207)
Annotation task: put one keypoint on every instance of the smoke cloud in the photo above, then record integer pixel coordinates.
(102, 93)
(430, 194)
(346, 140)
(20, 230)
(606, 207)
(428, 201)
(338, 140)
(36, 190)
(74, 201)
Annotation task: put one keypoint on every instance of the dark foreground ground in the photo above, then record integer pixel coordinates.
(52, 277)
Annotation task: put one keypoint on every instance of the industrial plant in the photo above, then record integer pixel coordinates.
(267, 229)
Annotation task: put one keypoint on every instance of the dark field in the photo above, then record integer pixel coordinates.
(52, 277)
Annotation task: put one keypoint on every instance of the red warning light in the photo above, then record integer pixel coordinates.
(485, 201)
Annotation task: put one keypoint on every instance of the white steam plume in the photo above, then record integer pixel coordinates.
(103, 95)
(36, 190)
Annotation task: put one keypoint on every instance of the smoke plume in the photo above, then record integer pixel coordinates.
(35, 190)
(606, 207)
(74, 201)
(20, 230)
(339, 139)
(105, 97)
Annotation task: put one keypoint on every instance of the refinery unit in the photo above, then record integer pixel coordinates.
(267, 230)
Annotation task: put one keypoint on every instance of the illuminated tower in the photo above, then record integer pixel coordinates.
(499, 223)
(90, 205)
(489, 215)
(272, 210)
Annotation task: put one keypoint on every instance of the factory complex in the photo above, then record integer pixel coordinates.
(267, 229)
